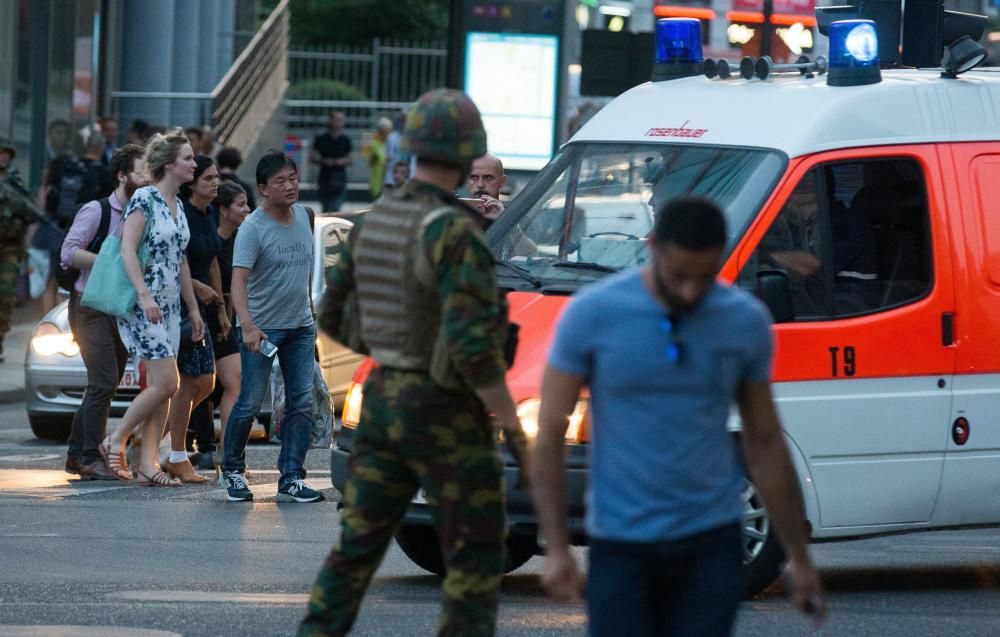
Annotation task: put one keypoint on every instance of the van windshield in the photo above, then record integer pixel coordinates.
(591, 209)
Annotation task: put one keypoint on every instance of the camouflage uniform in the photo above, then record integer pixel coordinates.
(415, 432)
(17, 211)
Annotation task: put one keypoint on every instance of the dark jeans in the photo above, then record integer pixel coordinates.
(296, 354)
(105, 357)
(332, 198)
(689, 587)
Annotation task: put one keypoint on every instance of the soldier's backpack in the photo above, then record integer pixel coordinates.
(68, 191)
(67, 277)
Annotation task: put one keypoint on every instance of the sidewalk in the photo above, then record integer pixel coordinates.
(22, 323)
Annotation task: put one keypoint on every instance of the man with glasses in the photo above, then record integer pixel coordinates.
(664, 351)
(272, 262)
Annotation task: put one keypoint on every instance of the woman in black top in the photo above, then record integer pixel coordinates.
(196, 360)
(231, 209)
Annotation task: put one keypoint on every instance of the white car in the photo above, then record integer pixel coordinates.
(55, 377)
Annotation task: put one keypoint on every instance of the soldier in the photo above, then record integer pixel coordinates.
(439, 338)
(17, 211)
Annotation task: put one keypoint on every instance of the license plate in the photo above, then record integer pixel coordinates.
(130, 380)
(421, 497)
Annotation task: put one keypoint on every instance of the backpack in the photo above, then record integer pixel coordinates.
(67, 277)
(68, 192)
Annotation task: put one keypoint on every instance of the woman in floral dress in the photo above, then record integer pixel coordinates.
(154, 219)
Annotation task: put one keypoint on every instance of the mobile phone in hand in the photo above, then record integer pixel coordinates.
(267, 348)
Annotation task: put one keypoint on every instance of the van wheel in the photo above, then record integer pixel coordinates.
(762, 555)
(48, 427)
(420, 544)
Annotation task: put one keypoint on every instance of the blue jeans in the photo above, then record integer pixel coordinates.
(690, 587)
(296, 354)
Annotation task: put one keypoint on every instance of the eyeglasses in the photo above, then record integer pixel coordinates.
(674, 350)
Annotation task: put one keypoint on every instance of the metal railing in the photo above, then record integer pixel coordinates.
(365, 83)
(244, 99)
(384, 72)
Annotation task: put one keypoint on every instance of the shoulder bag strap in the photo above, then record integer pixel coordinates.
(102, 228)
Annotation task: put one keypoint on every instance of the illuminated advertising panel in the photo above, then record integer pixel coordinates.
(512, 79)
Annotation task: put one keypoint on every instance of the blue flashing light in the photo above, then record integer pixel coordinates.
(678, 41)
(853, 43)
(853, 53)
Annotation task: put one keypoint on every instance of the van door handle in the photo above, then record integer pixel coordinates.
(947, 328)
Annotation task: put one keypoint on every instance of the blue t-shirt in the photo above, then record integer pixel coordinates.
(662, 465)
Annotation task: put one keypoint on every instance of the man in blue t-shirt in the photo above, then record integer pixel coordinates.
(664, 351)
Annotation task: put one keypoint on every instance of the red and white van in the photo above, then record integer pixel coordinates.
(887, 365)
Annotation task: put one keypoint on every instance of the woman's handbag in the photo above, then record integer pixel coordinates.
(108, 288)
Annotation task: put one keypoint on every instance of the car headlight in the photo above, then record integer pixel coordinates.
(49, 340)
(528, 410)
(351, 415)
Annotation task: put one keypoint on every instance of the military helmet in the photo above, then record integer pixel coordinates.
(444, 125)
(6, 144)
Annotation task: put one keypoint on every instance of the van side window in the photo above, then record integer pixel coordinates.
(852, 238)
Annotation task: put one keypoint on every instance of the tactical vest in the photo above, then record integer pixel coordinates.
(400, 311)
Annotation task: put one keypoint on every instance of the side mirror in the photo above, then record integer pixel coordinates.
(774, 289)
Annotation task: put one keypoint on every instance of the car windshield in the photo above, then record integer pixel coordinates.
(591, 209)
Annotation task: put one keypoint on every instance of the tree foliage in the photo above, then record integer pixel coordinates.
(357, 22)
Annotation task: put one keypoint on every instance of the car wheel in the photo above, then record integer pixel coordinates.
(420, 544)
(762, 555)
(519, 550)
(49, 427)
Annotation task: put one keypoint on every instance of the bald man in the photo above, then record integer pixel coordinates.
(486, 180)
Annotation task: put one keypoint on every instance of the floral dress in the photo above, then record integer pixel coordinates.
(166, 241)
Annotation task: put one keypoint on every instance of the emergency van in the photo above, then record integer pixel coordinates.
(863, 207)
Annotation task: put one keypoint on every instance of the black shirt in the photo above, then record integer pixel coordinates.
(330, 147)
(251, 200)
(205, 243)
(225, 255)
(226, 261)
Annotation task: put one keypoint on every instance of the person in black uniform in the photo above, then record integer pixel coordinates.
(332, 153)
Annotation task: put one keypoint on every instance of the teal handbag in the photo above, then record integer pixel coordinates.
(108, 287)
